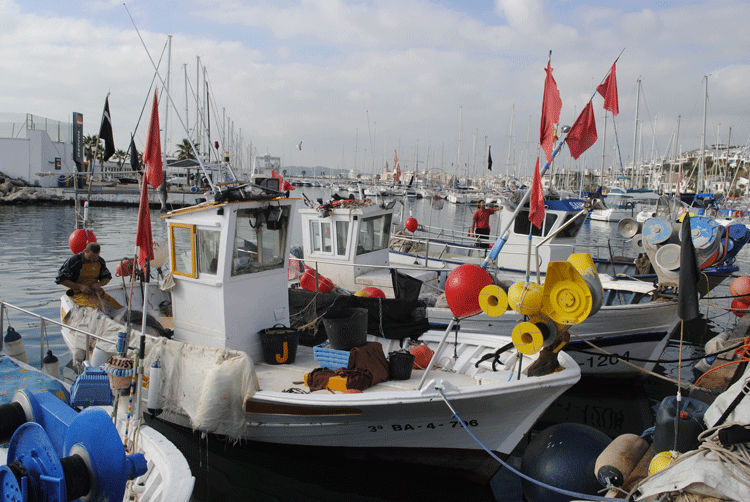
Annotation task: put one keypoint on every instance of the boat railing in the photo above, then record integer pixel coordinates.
(310, 261)
(44, 322)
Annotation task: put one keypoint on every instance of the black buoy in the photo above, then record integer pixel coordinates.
(563, 456)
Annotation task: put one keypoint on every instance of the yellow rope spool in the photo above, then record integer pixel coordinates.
(525, 297)
(585, 266)
(493, 300)
(527, 338)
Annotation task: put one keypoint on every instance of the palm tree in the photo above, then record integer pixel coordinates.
(185, 150)
(304, 173)
(120, 156)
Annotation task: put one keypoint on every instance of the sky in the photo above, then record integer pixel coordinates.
(439, 82)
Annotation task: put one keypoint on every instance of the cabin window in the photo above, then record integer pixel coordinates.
(342, 235)
(182, 249)
(320, 232)
(373, 234)
(260, 240)
(208, 250)
(522, 224)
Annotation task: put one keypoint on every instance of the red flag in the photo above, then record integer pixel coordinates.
(583, 133)
(152, 152)
(398, 167)
(551, 106)
(143, 238)
(536, 202)
(284, 185)
(608, 89)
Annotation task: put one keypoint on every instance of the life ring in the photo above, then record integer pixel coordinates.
(739, 214)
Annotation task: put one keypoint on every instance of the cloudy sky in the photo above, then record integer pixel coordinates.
(355, 80)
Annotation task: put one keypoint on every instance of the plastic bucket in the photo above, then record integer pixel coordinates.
(400, 365)
(690, 424)
(279, 344)
(346, 328)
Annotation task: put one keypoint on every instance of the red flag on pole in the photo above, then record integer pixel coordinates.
(398, 167)
(551, 106)
(152, 152)
(143, 238)
(583, 133)
(608, 89)
(536, 202)
(284, 185)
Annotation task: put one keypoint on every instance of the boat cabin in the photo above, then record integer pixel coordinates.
(348, 244)
(229, 263)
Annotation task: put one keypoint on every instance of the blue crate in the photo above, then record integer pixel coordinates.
(330, 358)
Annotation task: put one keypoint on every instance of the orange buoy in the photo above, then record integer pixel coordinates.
(740, 289)
(373, 292)
(423, 355)
(124, 268)
(411, 225)
(79, 238)
(462, 289)
(739, 307)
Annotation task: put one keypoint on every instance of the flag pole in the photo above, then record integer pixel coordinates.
(505, 234)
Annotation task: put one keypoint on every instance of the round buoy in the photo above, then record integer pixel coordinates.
(462, 289)
(493, 300)
(14, 346)
(527, 338)
(739, 307)
(740, 289)
(124, 268)
(161, 253)
(79, 238)
(307, 281)
(411, 225)
(662, 460)
(51, 365)
(525, 297)
(562, 456)
(373, 292)
(423, 356)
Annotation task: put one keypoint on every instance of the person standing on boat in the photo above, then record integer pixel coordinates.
(480, 224)
(85, 274)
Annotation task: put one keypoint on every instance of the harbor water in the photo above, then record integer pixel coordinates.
(35, 243)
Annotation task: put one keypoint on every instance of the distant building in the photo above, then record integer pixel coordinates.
(36, 150)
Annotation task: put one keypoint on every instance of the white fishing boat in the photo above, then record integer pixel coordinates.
(59, 438)
(227, 284)
(633, 325)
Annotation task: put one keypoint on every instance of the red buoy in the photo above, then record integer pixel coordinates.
(124, 268)
(462, 289)
(422, 356)
(373, 292)
(307, 281)
(411, 225)
(739, 307)
(79, 238)
(740, 289)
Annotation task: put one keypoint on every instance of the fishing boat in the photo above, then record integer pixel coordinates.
(60, 438)
(620, 204)
(348, 247)
(227, 285)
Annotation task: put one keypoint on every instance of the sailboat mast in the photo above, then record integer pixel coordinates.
(166, 102)
(635, 134)
(604, 150)
(701, 187)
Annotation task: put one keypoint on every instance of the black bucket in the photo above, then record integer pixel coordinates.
(400, 365)
(346, 328)
(279, 344)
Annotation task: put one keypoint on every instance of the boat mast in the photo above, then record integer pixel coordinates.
(165, 149)
(635, 134)
(701, 186)
(604, 150)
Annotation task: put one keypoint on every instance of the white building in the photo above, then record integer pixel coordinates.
(36, 150)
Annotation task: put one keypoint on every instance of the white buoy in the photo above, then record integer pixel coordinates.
(154, 389)
(14, 346)
(51, 365)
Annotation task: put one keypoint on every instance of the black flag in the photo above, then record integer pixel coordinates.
(135, 163)
(489, 158)
(105, 132)
(687, 300)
